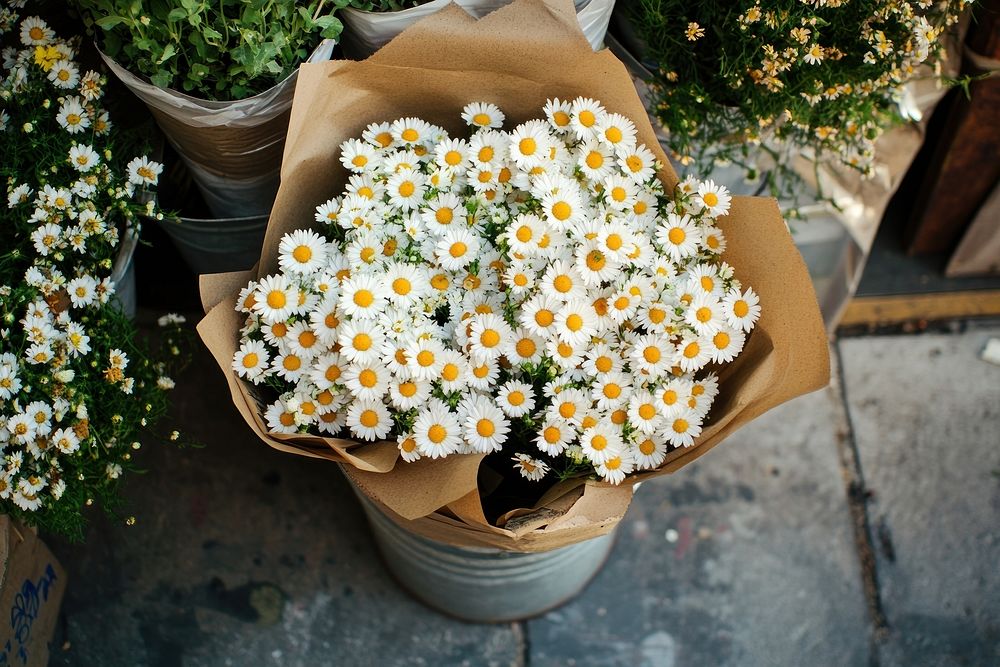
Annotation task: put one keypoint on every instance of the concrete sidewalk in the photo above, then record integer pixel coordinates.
(855, 526)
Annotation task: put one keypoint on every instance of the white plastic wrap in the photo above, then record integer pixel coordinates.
(233, 148)
(366, 32)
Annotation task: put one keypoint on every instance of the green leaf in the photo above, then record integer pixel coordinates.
(211, 33)
(161, 79)
(177, 14)
(168, 52)
(109, 22)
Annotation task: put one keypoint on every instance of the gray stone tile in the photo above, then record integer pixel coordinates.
(926, 416)
(759, 569)
(246, 556)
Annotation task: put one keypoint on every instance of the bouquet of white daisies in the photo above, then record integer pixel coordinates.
(534, 293)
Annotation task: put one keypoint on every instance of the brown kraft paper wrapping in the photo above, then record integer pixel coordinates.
(517, 57)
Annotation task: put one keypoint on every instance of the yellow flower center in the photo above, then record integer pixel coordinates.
(302, 254)
(527, 146)
(598, 442)
(449, 372)
(490, 338)
(359, 161)
(368, 378)
(457, 249)
(676, 235)
(526, 347)
(276, 299)
(485, 428)
(452, 158)
(544, 317)
(425, 358)
(562, 283)
(703, 314)
(587, 118)
(485, 154)
(409, 134)
(362, 342)
(574, 322)
(721, 340)
(680, 426)
(515, 398)
(651, 354)
(407, 389)
(364, 298)
(561, 210)
(741, 308)
(710, 199)
(647, 447)
(481, 119)
(691, 350)
(401, 286)
(613, 134)
(368, 419)
(647, 411)
(437, 434)
(406, 188)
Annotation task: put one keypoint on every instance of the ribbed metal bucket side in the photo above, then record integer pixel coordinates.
(480, 584)
(217, 246)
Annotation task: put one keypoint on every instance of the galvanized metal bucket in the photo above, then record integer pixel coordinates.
(484, 585)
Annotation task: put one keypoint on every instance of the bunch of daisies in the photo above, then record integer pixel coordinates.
(76, 387)
(532, 291)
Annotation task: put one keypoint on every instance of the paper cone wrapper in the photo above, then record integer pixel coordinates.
(517, 57)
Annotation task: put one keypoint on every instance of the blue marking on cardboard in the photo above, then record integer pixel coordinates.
(27, 604)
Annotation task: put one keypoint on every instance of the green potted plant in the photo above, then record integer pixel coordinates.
(78, 386)
(369, 24)
(218, 77)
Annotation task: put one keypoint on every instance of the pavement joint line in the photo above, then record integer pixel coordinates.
(857, 501)
(521, 634)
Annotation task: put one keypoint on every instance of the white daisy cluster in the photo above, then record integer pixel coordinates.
(533, 290)
(67, 392)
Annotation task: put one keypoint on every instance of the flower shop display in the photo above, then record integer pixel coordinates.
(77, 385)
(218, 78)
(835, 199)
(369, 25)
(738, 81)
(476, 430)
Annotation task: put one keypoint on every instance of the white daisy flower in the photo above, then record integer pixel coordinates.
(424, 358)
(614, 468)
(82, 291)
(611, 390)
(440, 212)
(362, 297)
(451, 154)
(379, 135)
(406, 190)
(290, 366)
(64, 74)
(487, 148)
(35, 32)
(554, 435)
(410, 131)
(303, 341)
(143, 171)
(409, 393)
(276, 333)
(10, 383)
(406, 283)
(616, 131)
(638, 163)
(575, 323)
(742, 309)
(369, 420)
(643, 412)
(407, 445)
(368, 382)
(302, 252)
(714, 240)
(563, 209)
(457, 249)
(692, 353)
(520, 277)
(47, 238)
(595, 264)
(705, 277)
(485, 428)
(21, 428)
(359, 157)
(516, 399)
(621, 193)
(77, 340)
(360, 341)
(673, 395)
(65, 440)
(565, 355)
(326, 212)
(83, 157)
(650, 451)
(530, 468)
(682, 428)
(19, 195)
(585, 116)
(276, 299)
(601, 442)
(538, 314)
(437, 431)
(483, 114)
(490, 337)
(652, 354)
(595, 160)
(712, 198)
(527, 348)
(679, 236)
(529, 144)
(483, 375)
(705, 314)
(558, 114)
